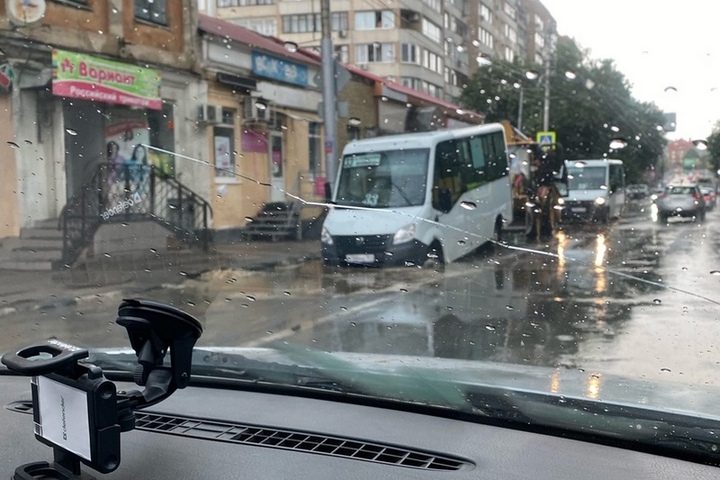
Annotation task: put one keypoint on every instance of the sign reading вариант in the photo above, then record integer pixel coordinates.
(91, 78)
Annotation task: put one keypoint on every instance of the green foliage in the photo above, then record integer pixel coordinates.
(587, 110)
(713, 143)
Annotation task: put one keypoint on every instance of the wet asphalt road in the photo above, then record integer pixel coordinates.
(578, 302)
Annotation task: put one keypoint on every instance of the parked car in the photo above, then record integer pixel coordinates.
(681, 201)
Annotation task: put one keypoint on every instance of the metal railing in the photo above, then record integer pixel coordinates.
(128, 193)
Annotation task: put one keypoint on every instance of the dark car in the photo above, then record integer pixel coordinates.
(710, 197)
(682, 201)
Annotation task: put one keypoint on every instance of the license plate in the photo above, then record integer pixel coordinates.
(360, 258)
(579, 209)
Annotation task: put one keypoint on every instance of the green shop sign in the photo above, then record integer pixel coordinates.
(90, 78)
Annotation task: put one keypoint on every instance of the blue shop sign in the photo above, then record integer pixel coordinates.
(276, 68)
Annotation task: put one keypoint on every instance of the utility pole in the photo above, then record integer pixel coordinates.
(328, 94)
(546, 100)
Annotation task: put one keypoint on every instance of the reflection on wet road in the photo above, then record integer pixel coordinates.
(579, 308)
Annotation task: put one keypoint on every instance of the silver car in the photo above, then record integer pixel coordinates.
(681, 201)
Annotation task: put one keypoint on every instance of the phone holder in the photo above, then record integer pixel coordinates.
(80, 413)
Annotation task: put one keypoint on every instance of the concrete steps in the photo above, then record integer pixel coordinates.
(36, 249)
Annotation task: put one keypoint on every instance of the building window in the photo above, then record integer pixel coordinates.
(153, 11)
(374, 19)
(301, 23)
(509, 54)
(430, 30)
(338, 21)
(224, 145)
(263, 26)
(485, 13)
(342, 53)
(410, 53)
(311, 22)
(485, 37)
(243, 3)
(314, 144)
(374, 52)
(73, 3)
(509, 10)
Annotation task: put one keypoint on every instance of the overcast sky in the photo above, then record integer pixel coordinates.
(656, 44)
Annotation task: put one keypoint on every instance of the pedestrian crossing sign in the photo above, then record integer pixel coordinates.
(545, 138)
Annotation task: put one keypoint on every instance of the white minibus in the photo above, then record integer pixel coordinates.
(418, 198)
(596, 190)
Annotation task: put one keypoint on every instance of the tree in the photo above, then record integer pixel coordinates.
(713, 148)
(590, 106)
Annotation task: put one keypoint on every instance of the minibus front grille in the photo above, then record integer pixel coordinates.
(362, 243)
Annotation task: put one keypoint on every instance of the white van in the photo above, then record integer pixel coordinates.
(418, 198)
(596, 190)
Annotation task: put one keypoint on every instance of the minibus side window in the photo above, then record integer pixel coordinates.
(447, 176)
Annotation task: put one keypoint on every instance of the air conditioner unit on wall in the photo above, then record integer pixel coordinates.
(253, 114)
(208, 114)
(342, 33)
(363, 66)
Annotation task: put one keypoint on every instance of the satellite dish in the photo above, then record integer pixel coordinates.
(25, 12)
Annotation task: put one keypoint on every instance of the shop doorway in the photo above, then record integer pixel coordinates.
(277, 170)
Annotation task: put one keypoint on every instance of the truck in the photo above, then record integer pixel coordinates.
(538, 181)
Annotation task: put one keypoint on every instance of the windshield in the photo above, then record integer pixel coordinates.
(587, 178)
(386, 179)
(230, 159)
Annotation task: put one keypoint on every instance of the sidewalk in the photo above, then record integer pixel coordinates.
(110, 276)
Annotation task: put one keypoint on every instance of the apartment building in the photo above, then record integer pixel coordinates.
(432, 46)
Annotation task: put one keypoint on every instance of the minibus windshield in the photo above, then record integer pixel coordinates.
(384, 179)
(587, 178)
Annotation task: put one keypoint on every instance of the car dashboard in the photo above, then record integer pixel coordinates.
(229, 433)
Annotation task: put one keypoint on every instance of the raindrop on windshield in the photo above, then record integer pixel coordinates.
(28, 142)
(250, 297)
(249, 219)
(715, 272)
(570, 75)
(618, 143)
(490, 327)
(343, 309)
(70, 131)
(461, 242)
(666, 370)
(184, 274)
(509, 307)
(291, 47)
(657, 301)
(670, 89)
(468, 205)
(286, 293)
(403, 290)
(108, 255)
(13, 145)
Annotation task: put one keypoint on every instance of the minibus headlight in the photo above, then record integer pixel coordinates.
(325, 237)
(404, 234)
(600, 201)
